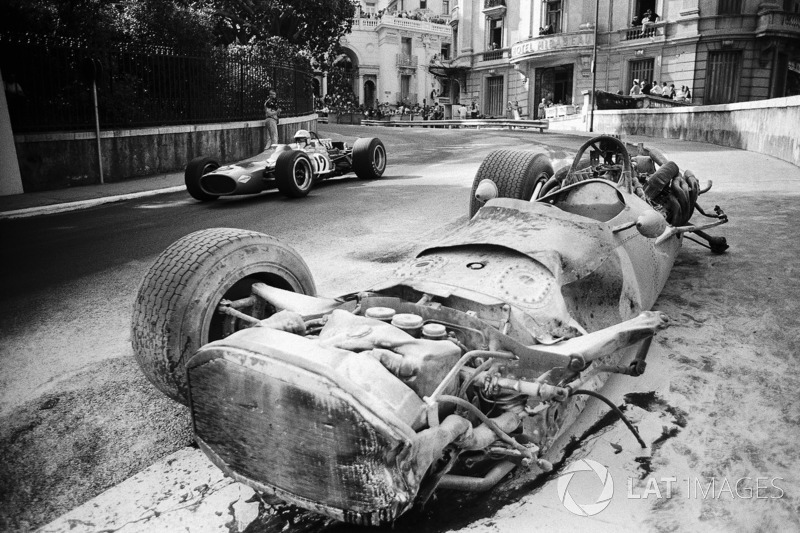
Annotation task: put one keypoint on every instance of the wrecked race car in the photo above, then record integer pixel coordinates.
(468, 363)
(291, 168)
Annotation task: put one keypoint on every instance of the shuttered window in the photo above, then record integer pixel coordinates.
(729, 7)
(722, 77)
(494, 100)
(642, 70)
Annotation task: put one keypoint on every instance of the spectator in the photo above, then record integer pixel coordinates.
(656, 89)
(688, 94)
(473, 110)
(635, 23)
(271, 110)
(649, 18)
(542, 108)
(671, 93)
(646, 87)
(636, 90)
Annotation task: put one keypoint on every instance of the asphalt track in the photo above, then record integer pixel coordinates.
(78, 418)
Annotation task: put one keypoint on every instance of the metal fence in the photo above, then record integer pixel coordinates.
(138, 87)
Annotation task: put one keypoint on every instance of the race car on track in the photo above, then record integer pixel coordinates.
(291, 168)
(474, 359)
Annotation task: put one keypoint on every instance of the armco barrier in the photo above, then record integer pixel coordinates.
(58, 160)
(770, 127)
(540, 125)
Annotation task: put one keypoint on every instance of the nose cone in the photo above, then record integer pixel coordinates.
(487, 190)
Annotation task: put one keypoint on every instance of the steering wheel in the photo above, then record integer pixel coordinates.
(615, 158)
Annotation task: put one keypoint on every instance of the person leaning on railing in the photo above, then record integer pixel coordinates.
(271, 110)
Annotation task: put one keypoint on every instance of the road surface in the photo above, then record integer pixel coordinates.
(77, 417)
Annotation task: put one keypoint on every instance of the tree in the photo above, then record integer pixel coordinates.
(311, 25)
(174, 23)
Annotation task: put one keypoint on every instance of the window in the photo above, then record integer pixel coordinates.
(642, 6)
(445, 51)
(494, 96)
(641, 70)
(552, 17)
(405, 45)
(405, 88)
(729, 7)
(722, 77)
(446, 7)
(455, 41)
(423, 4)
(495, 34)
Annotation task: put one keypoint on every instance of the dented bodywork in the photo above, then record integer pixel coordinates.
(472, 357)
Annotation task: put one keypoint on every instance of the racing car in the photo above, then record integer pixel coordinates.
(292, 168)
(469, 362)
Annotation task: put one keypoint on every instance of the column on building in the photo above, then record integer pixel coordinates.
(360, 88)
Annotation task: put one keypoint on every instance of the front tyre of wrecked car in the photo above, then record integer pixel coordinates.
(517, 174)
(176, 307)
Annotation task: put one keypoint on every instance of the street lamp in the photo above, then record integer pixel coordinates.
(594, 66)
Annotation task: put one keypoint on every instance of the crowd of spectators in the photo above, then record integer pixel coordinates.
(411, 15)
(344, 104)
(644, 87)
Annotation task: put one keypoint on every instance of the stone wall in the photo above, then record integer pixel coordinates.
(770, 127)
(58, 160)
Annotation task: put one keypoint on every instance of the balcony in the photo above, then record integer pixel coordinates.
(778, 24)
(388, 21)
(494, 55)
(494, 8)
(406, 61)
(641, 35)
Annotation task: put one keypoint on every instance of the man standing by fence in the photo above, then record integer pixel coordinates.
(272, 111)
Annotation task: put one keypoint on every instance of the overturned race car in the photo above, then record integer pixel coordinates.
(470, 362)
(291, 168)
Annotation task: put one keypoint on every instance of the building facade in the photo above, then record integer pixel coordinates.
(388, 51)
(507, 52)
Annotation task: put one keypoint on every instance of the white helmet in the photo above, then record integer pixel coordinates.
(302, 136)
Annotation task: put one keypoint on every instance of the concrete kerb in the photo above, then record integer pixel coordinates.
(83, 204)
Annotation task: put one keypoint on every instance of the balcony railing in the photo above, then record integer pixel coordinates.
(648, 31)
(778, 22)
(370, 24)
(406, 61)
(494, 55)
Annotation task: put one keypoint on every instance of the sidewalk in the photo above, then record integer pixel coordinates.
(82, 197)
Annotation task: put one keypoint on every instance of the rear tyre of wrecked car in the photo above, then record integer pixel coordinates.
(369, 158)
(195, 170)
(517, 175)
(175, 311)
(294, 174)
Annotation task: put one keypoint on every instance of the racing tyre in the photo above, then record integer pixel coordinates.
(294, 173)
(194, 171)
(369, 158)
(517, 175)
(174, 313)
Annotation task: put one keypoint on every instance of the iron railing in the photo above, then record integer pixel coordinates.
(140, 87)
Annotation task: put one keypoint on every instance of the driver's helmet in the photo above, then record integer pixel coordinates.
(302, 137)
